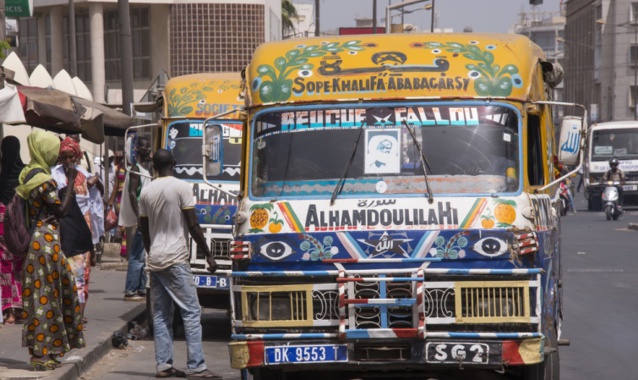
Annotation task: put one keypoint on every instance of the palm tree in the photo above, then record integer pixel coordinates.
(288, 13)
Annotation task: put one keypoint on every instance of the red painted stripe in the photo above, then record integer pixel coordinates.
(350, 280)
(406, 333)
(255, 353)
(340, 260)
(511, 355)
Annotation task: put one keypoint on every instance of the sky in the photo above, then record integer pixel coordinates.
(491, 16)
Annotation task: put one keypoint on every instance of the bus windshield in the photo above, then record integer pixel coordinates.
(619, 143)
(305, 152)
(184, 139)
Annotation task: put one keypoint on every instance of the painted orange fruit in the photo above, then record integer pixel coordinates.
(505, 212)
(275, 227)
(487, 223)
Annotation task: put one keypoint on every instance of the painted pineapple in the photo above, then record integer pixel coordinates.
(259, 216)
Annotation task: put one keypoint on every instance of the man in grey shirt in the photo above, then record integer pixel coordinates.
(166, 206)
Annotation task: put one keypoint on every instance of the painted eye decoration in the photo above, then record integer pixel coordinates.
(276, 250)
(490, 247)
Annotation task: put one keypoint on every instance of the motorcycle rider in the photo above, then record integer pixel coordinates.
(614, 174)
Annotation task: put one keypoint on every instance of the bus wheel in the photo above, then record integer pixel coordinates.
(268, 374)
(594, 204)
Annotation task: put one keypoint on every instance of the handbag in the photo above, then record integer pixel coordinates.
(110, 221)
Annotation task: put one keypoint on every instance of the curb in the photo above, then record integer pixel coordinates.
(75, 370)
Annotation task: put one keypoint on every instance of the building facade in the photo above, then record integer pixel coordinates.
(547, 30)
(173, 36)
(601, 53)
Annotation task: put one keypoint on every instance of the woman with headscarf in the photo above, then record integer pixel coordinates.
(51, 310)
(80, 229)
(10, 265)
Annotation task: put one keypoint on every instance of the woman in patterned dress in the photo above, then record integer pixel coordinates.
(51, 311)
(79, 229)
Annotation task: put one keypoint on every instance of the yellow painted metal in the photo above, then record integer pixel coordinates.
(531, 350)
(299, 297)
(239, 354)
(203, 95)
(492, 302)
(393, 66)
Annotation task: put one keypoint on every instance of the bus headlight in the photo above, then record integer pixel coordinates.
(495, 307)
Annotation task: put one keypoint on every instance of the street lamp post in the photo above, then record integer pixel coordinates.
(389, 8)
(432, 20)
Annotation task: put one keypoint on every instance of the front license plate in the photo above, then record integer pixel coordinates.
(215, 282)
(463, 352)
(306, 354)
(630, 187)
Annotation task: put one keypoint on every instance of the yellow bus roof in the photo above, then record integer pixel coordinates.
(202, 95)
(393, 66)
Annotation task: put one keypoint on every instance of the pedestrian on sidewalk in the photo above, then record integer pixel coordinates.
(84, 224)
(51, 311)
(115, 201)
(10, 264)
(166, 206)
(136, 179)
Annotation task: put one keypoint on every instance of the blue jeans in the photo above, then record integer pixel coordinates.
(176, 285)
(135, 276)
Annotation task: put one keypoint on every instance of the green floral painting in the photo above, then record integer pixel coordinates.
(274, 82)
(490, 79)
(181, 100)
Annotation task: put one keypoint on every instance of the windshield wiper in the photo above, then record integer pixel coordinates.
(424, 163)
(342, 180)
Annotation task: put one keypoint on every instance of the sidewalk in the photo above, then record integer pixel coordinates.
(106, 312)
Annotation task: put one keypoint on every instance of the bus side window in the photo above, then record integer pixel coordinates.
(535, 171)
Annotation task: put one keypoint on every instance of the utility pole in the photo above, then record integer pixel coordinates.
(73, 55)
(126, 54)
(317, 29)
(374, 16)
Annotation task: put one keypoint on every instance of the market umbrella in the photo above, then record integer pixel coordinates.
(115, 122)
(60, 112)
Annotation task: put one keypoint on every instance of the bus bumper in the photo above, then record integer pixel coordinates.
(414, 355)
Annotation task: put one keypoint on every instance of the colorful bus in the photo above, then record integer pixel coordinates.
(187, 101)
(398, 208)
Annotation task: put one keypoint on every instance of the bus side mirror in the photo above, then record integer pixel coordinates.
(213, 150)
(569, 144)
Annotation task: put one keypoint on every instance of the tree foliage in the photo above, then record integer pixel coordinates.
(288, 13)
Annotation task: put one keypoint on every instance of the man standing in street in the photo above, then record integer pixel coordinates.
(166, 206)
(136, 179)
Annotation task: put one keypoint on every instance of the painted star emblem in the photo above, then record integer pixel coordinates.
(383, 120)
(386, 246)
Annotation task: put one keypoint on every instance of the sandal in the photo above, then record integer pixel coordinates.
(48, 365)
(171, 372)
(8, 318)
(205, 374)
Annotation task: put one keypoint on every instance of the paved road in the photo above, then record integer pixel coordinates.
(601, 308)
(137, 361)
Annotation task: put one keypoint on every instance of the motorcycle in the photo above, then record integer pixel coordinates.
(611, 200)
(564, 199)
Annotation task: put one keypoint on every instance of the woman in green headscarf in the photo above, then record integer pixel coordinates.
(52, 322)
